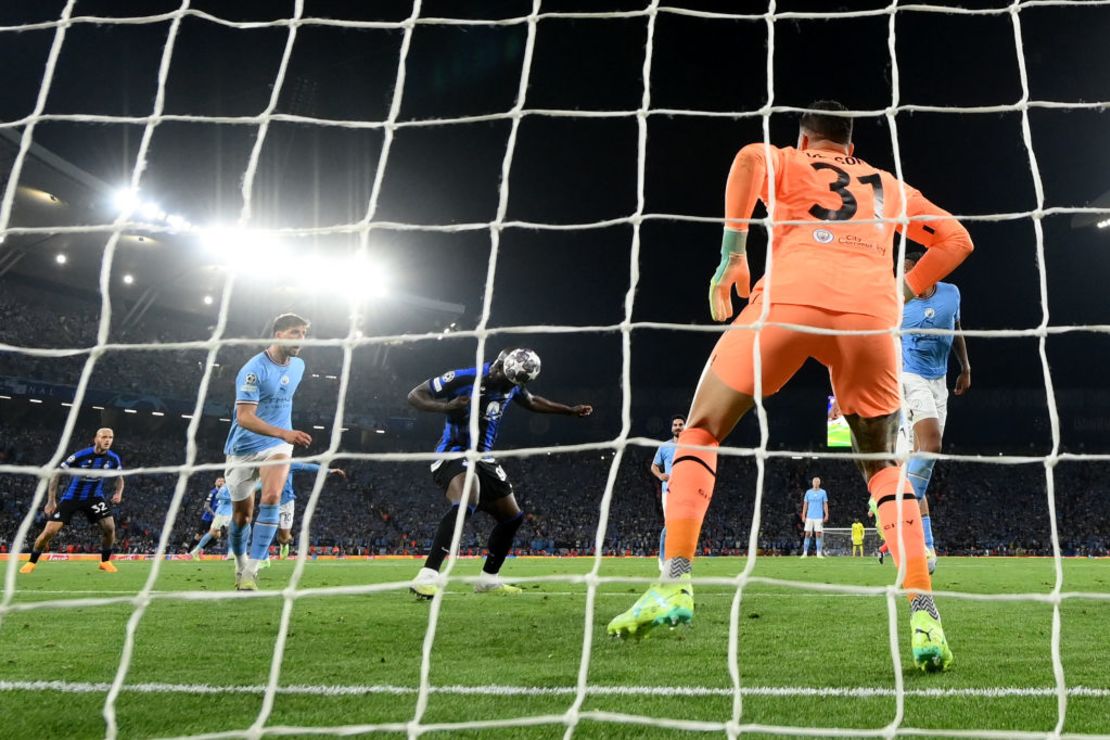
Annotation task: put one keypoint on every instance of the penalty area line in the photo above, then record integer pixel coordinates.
(856, 692)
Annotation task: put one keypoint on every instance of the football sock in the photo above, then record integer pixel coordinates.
(924, 603)
(500, 542)
(35, 555)
(238, 535)
(441, 544)
(927, 526)
(662, 540)
(203, 541)
(677, 567)
(884, 490)
(820, 540)
(105, 554)
(805, 545)
(265, 527)
(919, 472)
(884, 548)
(689, 491)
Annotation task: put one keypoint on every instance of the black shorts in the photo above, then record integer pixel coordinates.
(204, 526)
(94, 510)
(493, 483)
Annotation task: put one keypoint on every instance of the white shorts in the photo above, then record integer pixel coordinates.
(285, 515)
(815, 525)
(218, 522)
(240, 478)
(925, 398)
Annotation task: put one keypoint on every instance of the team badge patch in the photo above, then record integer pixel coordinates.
(822, 236)
(285, 380)
(930, 313)
(448, 376)
(251, 379)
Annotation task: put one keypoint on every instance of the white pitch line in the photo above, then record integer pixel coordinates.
(466, 591)
(856, 692)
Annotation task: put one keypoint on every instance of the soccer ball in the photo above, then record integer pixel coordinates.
(521, 366)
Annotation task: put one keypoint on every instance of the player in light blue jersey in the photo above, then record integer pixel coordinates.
(924, 383)
(288, 499)
(815, 512)
(212, 522)
(262, 432)
(661, 469)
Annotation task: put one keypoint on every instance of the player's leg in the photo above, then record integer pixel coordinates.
(808, 531)
(663, 535)
(42, 542)
(724, 394)
(451, 476)
(239, 478)
(864, 371)
(203, 538)
(269, 507)
(927, 405)
(506, 512)
(285, 528)
(107, 542)
(819, 536)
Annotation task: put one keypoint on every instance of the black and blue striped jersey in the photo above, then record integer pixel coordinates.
(493, 402)
(83, 488)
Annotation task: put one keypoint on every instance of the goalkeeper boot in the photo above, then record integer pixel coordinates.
(664, 603)
(491, 583)
(28, 567)
(930, 649)
(424, 585)
(107, 567)
(931, 559)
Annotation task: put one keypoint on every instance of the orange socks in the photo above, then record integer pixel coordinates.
(883, 486)
(689, 492)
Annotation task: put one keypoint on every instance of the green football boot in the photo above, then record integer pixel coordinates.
(664, 603)
(930, 650)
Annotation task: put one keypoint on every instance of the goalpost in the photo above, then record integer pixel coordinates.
(733, 723)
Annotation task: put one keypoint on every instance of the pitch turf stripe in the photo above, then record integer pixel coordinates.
(859, 692)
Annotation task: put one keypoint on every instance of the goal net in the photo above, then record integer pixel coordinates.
(763, 48)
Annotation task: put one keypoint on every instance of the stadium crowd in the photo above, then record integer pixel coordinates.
(393, 508)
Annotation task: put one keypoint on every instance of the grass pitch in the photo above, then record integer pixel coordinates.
(808, 658)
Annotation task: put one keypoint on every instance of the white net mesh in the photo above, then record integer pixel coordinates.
(734, 724)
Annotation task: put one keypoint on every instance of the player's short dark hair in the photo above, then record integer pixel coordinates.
(676, 417)
(288, 321)
(825, 126)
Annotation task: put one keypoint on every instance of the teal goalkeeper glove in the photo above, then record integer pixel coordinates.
(732, 271)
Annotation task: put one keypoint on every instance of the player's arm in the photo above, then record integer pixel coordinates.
(208, 508)
(117, 495)
(805, 507)
(52, 494)
(246, 416)
(422, 398)
(747, 179)
(656, 470)
(307, 467)
(826, 509)
(541, 405)
(946, 240)
(963, 383)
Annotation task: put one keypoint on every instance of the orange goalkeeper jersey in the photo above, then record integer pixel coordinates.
(839, 264)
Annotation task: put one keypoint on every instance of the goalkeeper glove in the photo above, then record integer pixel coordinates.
(732, 271)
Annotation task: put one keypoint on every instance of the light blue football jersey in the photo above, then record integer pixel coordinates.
(271, 386)
(927, 354)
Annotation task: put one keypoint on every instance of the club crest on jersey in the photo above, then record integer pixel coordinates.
(930, 312)
(822, 236)
(285, 380)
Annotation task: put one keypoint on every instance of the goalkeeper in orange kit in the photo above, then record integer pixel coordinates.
(832, 272)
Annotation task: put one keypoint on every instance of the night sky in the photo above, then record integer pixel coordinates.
(570, 170)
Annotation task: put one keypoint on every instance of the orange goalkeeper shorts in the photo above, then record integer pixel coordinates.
(863, 368)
